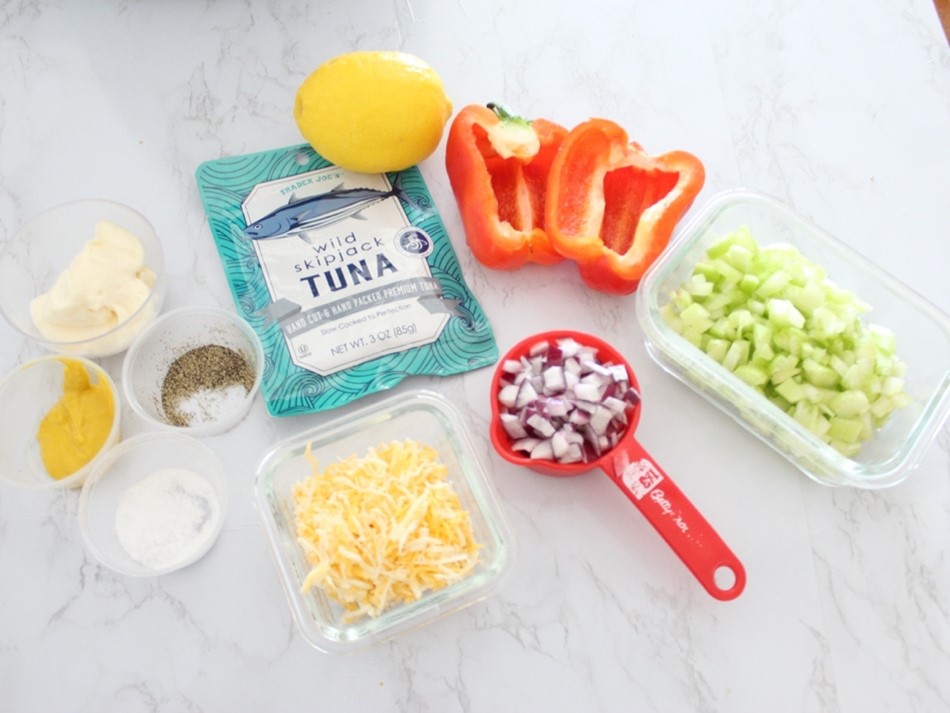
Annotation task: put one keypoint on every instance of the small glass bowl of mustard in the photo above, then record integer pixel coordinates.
(59, 417)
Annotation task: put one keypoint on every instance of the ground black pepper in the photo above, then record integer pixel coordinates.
(208, 368)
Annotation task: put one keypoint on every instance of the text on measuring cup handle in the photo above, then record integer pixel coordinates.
(641, 478)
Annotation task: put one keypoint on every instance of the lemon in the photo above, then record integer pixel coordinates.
(373, 111)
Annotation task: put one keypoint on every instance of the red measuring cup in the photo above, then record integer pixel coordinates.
(637, 475)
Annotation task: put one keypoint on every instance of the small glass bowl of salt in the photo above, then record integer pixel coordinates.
(195, 370)
(154, 504)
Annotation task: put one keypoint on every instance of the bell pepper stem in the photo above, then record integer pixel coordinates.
(505, 115)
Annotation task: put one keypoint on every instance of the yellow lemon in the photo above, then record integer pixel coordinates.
(373, 111)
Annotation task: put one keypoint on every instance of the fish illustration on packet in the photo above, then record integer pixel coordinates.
(315, 212)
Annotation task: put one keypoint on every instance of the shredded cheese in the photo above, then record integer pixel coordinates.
(382, 529)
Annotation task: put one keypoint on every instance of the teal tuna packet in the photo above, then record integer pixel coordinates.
(349, 279)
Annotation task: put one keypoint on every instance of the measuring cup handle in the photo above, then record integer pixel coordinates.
(678, 521)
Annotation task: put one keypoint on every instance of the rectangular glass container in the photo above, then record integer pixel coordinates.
(922, 332)
(422, 416)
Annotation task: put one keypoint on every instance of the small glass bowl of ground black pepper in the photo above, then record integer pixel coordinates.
(195, 370)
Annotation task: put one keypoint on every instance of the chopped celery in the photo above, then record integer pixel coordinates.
(782, 376)
(849, 450)
(752, 374)
(893, 385)
(774, 283)
(748, 283)
(696, 317)
(741, 319)
(762, 343)
(728, 275)
(739, 257)
(722, 328)
(858, 374)
(884, 338)
(717, 304)
(773, 318)
(699, 286)
(693, 336)
(819, 374)
(737, 355)
(681, 299)
(810, 350)
(717, 348)
(790, 390)
(782, 313)
(807, 298)
(817, 395)
(850, 403)
(707, 270)
(790, 340)
(845, 429)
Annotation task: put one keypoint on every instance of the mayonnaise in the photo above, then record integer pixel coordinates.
(103, 286)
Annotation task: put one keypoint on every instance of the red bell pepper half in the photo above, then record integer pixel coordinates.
(611, 207)
(498, 166)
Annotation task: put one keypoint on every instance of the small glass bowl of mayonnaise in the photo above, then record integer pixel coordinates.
(83, 278)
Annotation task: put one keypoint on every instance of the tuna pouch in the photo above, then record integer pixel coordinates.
(349, 279)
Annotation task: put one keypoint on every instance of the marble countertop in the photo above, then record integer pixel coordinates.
(840, 110)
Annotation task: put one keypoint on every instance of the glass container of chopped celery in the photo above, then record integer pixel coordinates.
(818, 352)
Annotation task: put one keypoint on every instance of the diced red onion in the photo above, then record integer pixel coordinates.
(554, 380)
(558, 407)
(513, 426)
(543, 451)
(561, 403)
(578, 417)
(511, 366)
(588, 392)
(526, 394)
(508, 396)
(570, 380)
(600, 420)
(525, 445)
(569, 347)
(541, 425)
(539, 349)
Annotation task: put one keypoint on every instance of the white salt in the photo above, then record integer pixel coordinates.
(167, 517)
(211, 405)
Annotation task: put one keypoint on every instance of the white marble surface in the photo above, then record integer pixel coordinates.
(841, 109)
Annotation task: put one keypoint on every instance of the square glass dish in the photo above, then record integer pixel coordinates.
(922, 334)
(419, 415)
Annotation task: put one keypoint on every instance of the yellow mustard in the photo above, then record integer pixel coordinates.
(78, 424)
